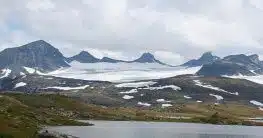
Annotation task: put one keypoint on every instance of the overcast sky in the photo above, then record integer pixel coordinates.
(173, 30)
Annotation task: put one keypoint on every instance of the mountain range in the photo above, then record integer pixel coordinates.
(42, 56)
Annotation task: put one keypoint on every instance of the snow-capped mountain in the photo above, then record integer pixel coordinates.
(38, 54)
(233, 65)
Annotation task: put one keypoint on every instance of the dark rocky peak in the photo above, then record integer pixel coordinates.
(146, 58)
(38, 54)
(84, 57)
(206, 58)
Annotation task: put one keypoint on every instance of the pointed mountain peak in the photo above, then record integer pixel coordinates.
(83, 57)
(146, 58)
(206, 58)
(84, 53)
(38, 43)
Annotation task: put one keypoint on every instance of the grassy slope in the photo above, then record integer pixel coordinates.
(22, 115)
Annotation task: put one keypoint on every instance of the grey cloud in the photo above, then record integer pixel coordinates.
(185, 28)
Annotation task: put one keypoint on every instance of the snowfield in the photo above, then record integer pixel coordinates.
(20, 84)
(120, 72)
(68, 88)
(201, 84)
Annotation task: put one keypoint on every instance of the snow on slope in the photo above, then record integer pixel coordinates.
(20, 84)
(164, 87)
(218, 97)
(201, 84)
(120, 72)
(68, 88)
(5, 73)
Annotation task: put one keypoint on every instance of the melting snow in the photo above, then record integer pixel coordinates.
(136, 84)
(144, 104)
(187, 97)
(218, 97)
(199, 83)
(199, 101)
(127, 97)
(130, 91)
(68, 88)
(166, 105)
(5, 73)
(20, 84)
(256, 103)
(164, 87)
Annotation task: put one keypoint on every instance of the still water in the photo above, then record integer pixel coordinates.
(130, 129)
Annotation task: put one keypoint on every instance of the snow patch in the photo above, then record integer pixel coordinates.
(136, 84)
(218, 97)
(143, 104)
(31, 71)
(130, 91)
(162, 101)
(256, 103)
(5, 73)
(166, 105)
(22, 74)
(199, 83)
(199, 101)
(164, 87)
(127, 97)
(20, 84)
(68, 88)
(187, 97)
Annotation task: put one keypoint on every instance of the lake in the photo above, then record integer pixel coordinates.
(132, 129)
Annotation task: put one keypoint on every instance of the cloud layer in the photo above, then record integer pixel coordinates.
(173, 30)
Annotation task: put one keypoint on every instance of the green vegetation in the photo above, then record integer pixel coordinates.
(22, 115)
